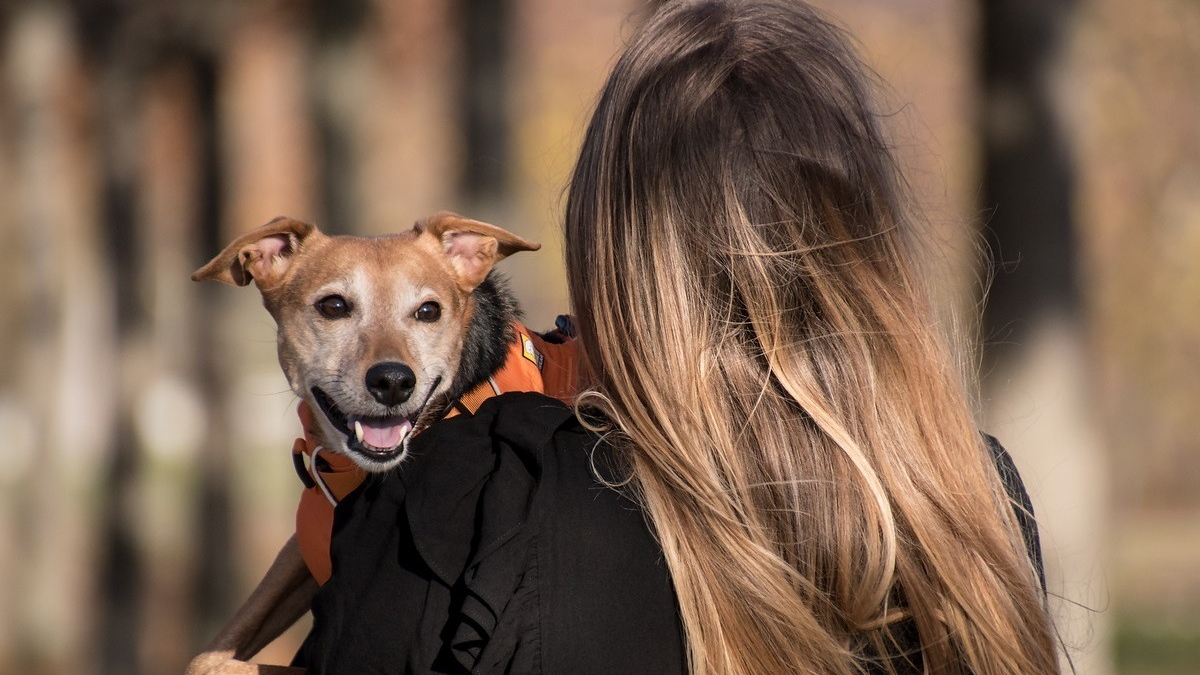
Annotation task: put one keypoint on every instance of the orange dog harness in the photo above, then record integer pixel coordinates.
(533, 364)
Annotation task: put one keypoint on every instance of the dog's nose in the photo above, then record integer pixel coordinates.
(391, 383)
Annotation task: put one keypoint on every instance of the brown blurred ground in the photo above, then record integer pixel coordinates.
(145, 425)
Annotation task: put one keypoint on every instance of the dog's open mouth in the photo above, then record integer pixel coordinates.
(379, 438)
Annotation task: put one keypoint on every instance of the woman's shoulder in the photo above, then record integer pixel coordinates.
(524, 464)
(1022, 505)
(524, 433)
(567, 479)
(553, 507)
(608, 604)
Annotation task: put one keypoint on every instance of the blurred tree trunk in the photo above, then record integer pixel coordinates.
(216, 574)
(1037, 372)
(337, 30)
(1028, 180)
(484, 181)
(120, 562)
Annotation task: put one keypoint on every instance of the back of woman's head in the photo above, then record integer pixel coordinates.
(743, 272)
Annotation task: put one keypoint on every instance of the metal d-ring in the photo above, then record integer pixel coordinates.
(316, 476)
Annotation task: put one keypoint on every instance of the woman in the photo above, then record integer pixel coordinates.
(771, 411)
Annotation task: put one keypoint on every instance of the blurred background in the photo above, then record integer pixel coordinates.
(144, 425)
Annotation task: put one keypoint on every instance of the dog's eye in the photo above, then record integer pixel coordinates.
(428, 312)
(333, 307)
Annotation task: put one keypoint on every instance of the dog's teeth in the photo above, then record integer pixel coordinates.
(358, 432)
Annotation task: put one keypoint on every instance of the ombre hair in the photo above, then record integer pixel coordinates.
(766, 359)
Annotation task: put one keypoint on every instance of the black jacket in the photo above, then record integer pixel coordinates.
(495, 549)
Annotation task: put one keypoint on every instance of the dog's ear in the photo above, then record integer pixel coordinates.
(262, 255)
(473, 247)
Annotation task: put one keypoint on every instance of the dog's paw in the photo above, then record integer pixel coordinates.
(217, 663)
(223, 663)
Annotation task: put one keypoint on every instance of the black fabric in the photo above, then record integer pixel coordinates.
(1022, 505)
(496, 549)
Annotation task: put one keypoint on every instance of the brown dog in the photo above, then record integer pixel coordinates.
(378, 334)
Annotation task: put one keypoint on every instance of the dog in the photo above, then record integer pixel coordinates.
(379, 337)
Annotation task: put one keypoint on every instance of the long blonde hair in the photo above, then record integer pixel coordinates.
(764, 355)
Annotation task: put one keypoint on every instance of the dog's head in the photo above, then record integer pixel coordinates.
(371, 329)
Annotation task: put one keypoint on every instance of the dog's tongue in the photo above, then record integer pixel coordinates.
(384, 433)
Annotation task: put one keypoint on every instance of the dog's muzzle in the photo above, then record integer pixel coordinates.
(379, 439)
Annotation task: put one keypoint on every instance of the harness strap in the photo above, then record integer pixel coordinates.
(469, 402)
(335, 475)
